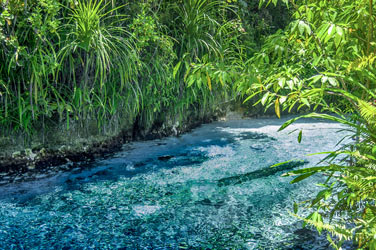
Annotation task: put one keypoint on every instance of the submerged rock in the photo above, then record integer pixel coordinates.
(207, 202)
(255, 136)
(101, 173)
(257, 148)
(136, 201)
(165, 157)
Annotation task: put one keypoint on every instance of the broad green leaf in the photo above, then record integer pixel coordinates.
(296, 208)
(176, 69)
(264, 98)
(281, 82)
(315, 78)
(251, 96)
(282, 99)
(339, 31)
(301, 27)
(305, 102)
(333, 81)
(290, 83)
(302, 177)
(331, 30)
(324, 79)
(374, 150)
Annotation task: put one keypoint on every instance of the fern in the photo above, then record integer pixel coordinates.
(367, 111)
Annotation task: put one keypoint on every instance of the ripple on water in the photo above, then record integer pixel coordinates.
(164, 194)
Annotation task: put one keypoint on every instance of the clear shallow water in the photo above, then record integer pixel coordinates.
(167, 194)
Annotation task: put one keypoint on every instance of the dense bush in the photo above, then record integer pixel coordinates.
(105, 61)
(324, 60)
(99, 60)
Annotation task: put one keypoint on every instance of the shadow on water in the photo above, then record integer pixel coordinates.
(209, 189)
(261, 173)
(183, 155)
(114, 172)
(161, 155)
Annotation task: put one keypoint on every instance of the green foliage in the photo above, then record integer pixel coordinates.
(196, 27)
(29, 60)
(97, 61)
(324, 61)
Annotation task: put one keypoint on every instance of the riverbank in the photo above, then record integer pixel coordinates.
(66, 150)
(60, 150)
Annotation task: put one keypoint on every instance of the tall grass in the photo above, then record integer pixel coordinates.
(97, 59)
(84, 62)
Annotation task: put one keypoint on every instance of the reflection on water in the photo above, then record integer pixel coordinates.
(209, 189)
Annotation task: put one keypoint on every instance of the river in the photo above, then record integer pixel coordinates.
(211, 188)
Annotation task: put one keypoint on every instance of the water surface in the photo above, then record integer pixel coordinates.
(175, 193)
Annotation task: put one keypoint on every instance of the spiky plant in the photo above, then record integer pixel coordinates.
(98, 57)
(96, 44)
(197, 24)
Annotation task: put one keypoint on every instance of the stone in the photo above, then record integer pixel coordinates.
(165, 157)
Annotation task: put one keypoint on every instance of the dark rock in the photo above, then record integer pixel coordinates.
(139, 164)
(205, 201)
(101, 173)
(165, 157)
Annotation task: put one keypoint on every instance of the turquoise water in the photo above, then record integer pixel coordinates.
(175, 194)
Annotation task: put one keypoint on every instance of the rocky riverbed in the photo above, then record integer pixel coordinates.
(210, 188)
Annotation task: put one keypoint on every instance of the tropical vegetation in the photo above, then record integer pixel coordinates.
(323, 61)
(101, 61)
(144, 62)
